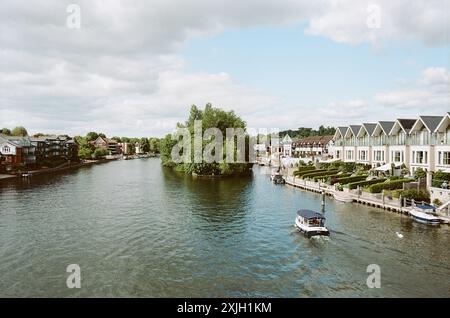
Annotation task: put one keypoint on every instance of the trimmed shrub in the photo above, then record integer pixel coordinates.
(347, 180)
(301, 173)
(417, 195)
(305, 168)
(335, 178)
(389, 185)
(440, 175)
(364, 183)
(319, 174)
(328, 177)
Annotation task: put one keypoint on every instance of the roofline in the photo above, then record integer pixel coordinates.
(423, 122)
(447, 115)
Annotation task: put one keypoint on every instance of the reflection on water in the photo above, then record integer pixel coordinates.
(137, 229)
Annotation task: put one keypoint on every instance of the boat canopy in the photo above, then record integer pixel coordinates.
(309, 215)
(425, 207)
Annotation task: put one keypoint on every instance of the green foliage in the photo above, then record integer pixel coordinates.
(389, 185)
(166, 146)
(305, 168)
(437, 202)
(420, 173)
(5, 131)
(299, 174)
(100, 153)
(417, 195)
(336, 177)
(319, 174)
(144, 145)
(85, 153)
(19, 132)
(329, 177)
(211, 118)
(91, 136)
(354, 185)
(303, 132)
(350, 179)
(154, 144)
(442, 176)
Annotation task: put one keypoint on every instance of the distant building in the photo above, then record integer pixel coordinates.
(30, 152)
(313, 146)
(109, 144)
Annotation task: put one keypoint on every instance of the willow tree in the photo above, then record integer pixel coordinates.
(211, 140)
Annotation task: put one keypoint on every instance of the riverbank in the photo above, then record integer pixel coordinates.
(374, 200)
(62, 168)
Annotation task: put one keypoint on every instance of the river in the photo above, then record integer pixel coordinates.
(139, 230)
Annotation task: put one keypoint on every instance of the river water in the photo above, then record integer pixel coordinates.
(138, 230)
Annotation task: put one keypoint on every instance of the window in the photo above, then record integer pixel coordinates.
(420, 157)
(362, 155)
(338, 154)
(444, 158)
(6, 149)
(349, 155)
(397, 156)
(378, 155)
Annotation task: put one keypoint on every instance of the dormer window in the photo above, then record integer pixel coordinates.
(6, 149)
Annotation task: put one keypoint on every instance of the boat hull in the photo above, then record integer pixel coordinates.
(424, 218)
(311, 231)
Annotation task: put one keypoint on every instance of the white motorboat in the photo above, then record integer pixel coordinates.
(311, 223)
(343, 197)
(424, 214)
(277, 178)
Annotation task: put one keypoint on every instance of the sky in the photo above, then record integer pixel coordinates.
(133, 68)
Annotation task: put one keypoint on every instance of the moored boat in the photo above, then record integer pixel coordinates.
(424, 214)
(343, 197)
(277, 178)
(311, 223)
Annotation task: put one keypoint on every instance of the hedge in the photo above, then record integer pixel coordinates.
(305, 168)
(301, 173)
(347, 180)
(417, 195)
(319, 174)
(438, 183)
(364, 183)
(335, 178)
(335, 175)
(390, 185)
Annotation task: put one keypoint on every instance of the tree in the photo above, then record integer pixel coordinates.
(211, 118)
(420, 173)
(118, 139)
(100, 153)
(19, 132)
(91, 136)
(144, 145)
(154, 144)
(85, 153)
(5, 131)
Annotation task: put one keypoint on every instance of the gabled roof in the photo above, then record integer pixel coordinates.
(384, 126)
(352, 129)
(340, 131)
(368, 128)
(286, 139)
(406, 124)
(430, 122)
(444, 123)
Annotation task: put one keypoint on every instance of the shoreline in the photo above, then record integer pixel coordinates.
(47, 171)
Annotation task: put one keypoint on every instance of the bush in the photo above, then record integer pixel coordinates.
(305, 168)
(437, 202)
(100, 153)
(440, 175)
(389, 185)
(438, 183)
(417, 195)
(420, 173)
(393, 178)
(332, 176)
(301, 173)
(347, 180)
(364, 183)
(319, 174)
(335, 178)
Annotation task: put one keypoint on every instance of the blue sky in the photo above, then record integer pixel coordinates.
(310, 70)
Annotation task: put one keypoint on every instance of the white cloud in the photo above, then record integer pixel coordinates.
(121, 73)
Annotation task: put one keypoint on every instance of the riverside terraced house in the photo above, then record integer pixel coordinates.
(29, 152)
(416, 143)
